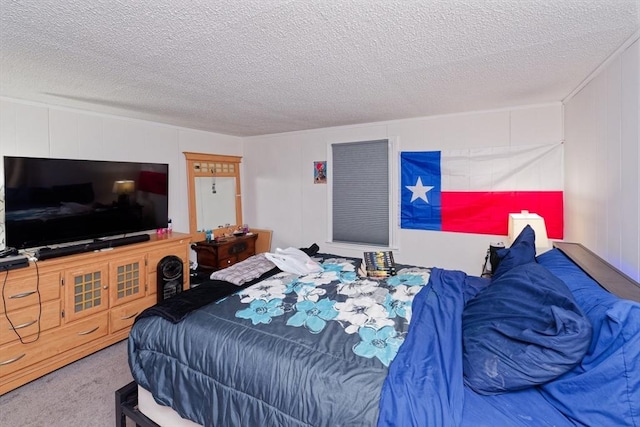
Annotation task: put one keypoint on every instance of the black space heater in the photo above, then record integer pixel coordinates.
(170, 277)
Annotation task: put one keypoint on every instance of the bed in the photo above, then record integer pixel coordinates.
(336, 349)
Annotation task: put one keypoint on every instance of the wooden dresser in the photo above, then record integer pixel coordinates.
(224, 253)
(57, 311)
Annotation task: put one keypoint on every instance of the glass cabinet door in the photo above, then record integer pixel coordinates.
(127, 280)
(87, 291)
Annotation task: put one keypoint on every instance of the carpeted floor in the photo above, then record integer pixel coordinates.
(79, 395)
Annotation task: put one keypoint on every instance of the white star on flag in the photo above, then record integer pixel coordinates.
(419, 191)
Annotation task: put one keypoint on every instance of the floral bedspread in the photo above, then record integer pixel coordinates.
(295, 351)
(379, 311)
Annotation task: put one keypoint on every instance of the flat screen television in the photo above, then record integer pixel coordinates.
(51, 201)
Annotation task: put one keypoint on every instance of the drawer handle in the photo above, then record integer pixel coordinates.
(15, 359)
(24, 325)
(129, 317)
(22, 295)
(89, 332)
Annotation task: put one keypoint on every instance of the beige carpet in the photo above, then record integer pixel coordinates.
(78, 395)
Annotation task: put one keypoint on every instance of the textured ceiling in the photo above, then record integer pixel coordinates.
(253, 67)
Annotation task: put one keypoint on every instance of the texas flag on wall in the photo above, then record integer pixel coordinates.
(474, 190)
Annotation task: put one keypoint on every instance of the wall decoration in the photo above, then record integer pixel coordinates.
(474, 190)
(320, 172)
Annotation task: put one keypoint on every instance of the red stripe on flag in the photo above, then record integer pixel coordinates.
(153, 182)
(488, 212)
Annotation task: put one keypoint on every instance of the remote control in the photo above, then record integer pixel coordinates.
(8, 252)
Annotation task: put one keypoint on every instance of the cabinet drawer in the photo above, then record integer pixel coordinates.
(245, 255)
(234, 249)
(23, 290)
(227, 262)
(16, 355)
(25, 321)
(123, 316)
(207, 257)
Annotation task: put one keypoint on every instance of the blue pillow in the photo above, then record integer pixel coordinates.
(521, 251)
(523, 330)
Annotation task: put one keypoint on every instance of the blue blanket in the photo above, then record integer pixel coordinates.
(425, 384)
(425, 387)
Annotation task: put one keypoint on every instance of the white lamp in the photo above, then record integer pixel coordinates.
(123, 188)
(518, 221)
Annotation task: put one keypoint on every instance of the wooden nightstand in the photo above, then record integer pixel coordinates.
(219, 254)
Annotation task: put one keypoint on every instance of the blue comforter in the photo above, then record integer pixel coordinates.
(336, 350)
(425, 386)
(288, 351)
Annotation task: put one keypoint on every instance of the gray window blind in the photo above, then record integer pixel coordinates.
(360, 172)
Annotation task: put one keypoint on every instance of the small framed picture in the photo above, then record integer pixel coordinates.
(320, 172)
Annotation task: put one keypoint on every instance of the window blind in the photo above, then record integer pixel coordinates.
(360, 172)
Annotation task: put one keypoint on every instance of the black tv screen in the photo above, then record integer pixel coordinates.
(50, 201)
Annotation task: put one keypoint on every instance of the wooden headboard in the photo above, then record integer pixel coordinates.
(601, 271)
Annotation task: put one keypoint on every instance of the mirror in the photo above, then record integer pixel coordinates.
(214, 191)
(215, 202)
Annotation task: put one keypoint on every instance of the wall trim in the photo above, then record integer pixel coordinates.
(410, 119)
(624, 46)
(112, 116)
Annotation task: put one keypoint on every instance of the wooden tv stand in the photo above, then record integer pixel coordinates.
(59, 310)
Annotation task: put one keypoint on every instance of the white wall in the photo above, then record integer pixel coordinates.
(39, 130)
(279, 192)
(602, 190)
(602, 182)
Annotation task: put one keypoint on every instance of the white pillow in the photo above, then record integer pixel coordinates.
(293, 260)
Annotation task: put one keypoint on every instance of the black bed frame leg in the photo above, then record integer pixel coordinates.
(124, 395)
(126, 407)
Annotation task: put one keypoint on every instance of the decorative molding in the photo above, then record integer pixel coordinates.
(631, 40)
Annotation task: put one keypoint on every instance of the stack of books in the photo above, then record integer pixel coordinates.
(379, 264)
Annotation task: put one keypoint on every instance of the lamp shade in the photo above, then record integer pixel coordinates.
(124, 187)
(518, 221)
